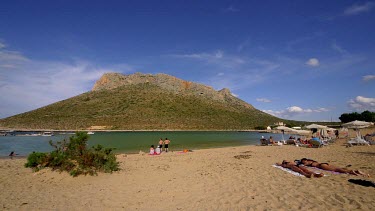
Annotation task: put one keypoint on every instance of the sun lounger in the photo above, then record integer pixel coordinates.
(358, 141)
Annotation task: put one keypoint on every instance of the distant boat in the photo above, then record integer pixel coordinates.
(47, 134)
(90, 133)
(68, 133)
(30, 134)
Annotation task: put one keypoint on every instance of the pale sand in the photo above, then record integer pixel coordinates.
(211, 179)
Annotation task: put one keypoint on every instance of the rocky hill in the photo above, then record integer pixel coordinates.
(145, 102)
(175, 85)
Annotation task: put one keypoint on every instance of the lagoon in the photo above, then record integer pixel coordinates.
(135, 141)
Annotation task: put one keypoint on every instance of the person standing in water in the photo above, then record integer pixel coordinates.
(161, 142)
(166, 144)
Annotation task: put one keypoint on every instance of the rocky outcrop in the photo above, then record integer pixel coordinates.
(114, 80)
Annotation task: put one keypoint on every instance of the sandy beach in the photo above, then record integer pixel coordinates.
(233, 178)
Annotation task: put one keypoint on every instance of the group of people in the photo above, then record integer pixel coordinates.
(264, 141)
(291, 140)
(300, 166)
(159, 148)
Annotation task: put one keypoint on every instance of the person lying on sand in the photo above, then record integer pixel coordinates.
(299, 169)
(328, 167)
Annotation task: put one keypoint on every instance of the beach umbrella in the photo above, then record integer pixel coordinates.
(357, 124)
(284, 128)
(316, 126)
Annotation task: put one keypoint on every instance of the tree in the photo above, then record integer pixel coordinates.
(364, 116)
(368, 116)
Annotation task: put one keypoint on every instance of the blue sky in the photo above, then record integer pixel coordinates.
(300, 60)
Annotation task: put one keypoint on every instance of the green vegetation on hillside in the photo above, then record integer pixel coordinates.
(142, 107)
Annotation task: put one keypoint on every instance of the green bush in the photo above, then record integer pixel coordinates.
(36, 160)
(74, 157)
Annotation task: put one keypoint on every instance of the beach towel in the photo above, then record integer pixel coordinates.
(288, 170)
(292, 172)
(184, 151)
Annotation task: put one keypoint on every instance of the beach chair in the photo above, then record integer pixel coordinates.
(358, 141)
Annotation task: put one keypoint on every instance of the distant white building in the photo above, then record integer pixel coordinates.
(297, 128)
(279, 124)
(269, 128)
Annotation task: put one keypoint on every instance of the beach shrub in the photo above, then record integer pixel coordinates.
(75, 157)
(36, 160)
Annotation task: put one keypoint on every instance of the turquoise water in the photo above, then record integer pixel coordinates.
(133, 142)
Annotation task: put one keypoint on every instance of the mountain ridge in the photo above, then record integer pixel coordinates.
(113, 80)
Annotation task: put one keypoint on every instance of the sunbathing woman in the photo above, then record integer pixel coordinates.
(299, 169)
(326, 166)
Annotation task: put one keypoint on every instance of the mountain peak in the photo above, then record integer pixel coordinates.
(173, 84)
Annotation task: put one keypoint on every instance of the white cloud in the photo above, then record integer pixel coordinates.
(264, 100)
(295, 43)
(313, 62)
(361, 103)
(219, 54)
(9, 66)
(368, 77)
(240, 72)
(357, 9)
(203, 56)
(294, 110)
(338, 48)
(217, 58)
(36, 84)
(11, 56)
(242, 45)
(231, 9)
(27, 84)
(10, 59)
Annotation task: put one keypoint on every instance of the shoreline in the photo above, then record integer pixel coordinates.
(154, 130)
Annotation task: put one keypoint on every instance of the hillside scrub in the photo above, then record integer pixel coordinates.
(74, 157)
